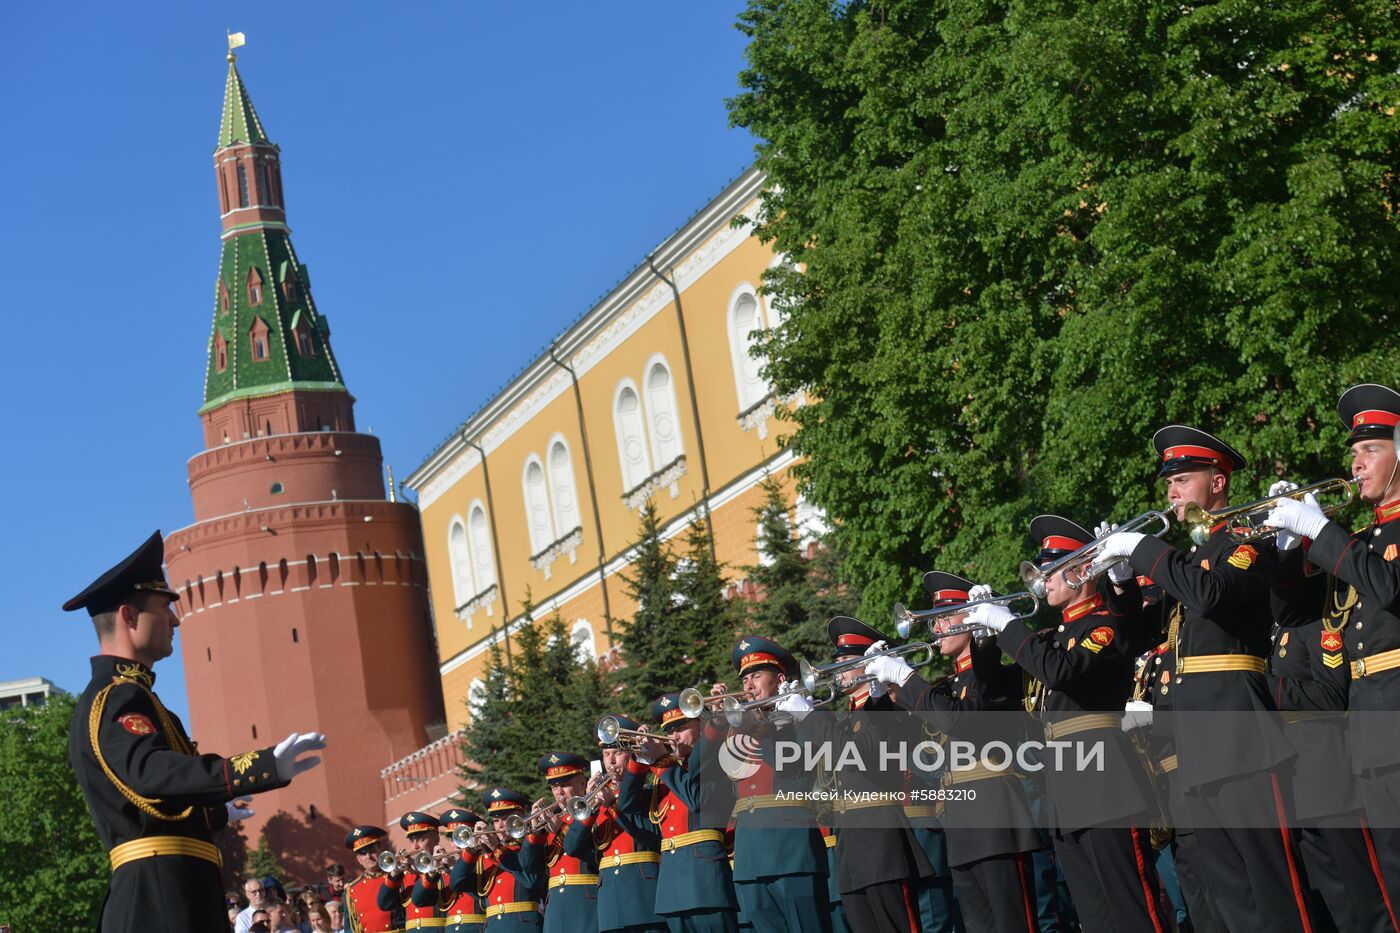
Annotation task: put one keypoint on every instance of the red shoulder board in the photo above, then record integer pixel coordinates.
(1103, 635)
(136, 724)
(1243, 557)
(1331, 641)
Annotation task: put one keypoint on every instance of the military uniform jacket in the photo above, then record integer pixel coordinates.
(509, 875)
(772, 841)
(142, 778)
(626, 892)
(417, 894)
(465, 901)
(1368, 606)
(570, 908)
(1217, 602)
(998, 822)
(1081, 669)
(361, 907)
(685, 798)
(876, 843)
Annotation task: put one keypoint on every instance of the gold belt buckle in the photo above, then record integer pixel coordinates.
(1361, 667)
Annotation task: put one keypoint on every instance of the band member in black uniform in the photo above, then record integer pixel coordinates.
(155, 800)
(1083, 681)
(1364, 606)
(1217, 602)
(878, 861)
(989, 838)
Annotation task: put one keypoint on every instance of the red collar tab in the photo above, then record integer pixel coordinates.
(962, 664)
(1214, 457)
(1388, 512)
(948, 597)
(1061, 543)
(849, 641)
(1375, 417)
(1082, 608)
(1145, 581)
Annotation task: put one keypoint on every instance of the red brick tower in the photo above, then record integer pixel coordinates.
(303, 599)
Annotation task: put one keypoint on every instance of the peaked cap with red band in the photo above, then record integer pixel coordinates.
(666, 710)
(947, 589)
(455, 817)
(1371, 412)
(416, 821)
(851, 636)
(1057, 536)
(561, 767)
(752, 653)
(362, 837)
(504, 800)
(1182, 448)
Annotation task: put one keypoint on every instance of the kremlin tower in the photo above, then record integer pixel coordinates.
(303, 591)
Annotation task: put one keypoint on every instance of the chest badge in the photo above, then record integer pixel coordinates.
(136, 724)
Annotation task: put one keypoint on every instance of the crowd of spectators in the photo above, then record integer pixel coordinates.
(268, 907)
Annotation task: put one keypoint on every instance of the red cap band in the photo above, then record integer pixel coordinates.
(420, 828)
(1376, 417)
(941, 597)
(366, 842)
(562, 771)
(757, 658)
(1061, 543)
(1214, 457)
(847, 641)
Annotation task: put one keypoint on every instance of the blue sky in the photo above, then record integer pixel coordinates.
(463, 181)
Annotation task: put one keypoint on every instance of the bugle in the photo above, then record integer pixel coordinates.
(580, 808)
(820, 695)
(518, 827)
(1245, 523)
(610, 732)
(1080, 565)
(388, 861)
(827, 676)
(693, 703)
(905, 619)
(464, 837)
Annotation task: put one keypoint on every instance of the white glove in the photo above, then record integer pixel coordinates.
(1304, 519)
(979, 591)
(239, 809)
(889, 670)
(787, 686)
(990, 617)
(795, 705)
(877, 689)
(875, 649)
(1136, 715)
(1285, 540)
(1118, 571)
(289, 751)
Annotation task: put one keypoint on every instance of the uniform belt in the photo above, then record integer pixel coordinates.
(466, 918)
(1168, 764)
(979, 772)
(152, 846)
(1056, 730)
(424, 923)
(558, 881)
(511, 907)
(628, 858)
(1291, 716)
(830, 841)
(763, 802)
(1376, 663)
(1214, 663)
(921, 811)
(691, 838)
(844, 805)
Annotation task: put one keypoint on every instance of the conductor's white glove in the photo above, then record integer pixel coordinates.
(1304, 519)
(989, 616)
(289, 751)
(1119, 571)
(239, 809)
(1285, 540)
(1136, 715)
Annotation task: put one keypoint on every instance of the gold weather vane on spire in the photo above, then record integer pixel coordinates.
(235, 39)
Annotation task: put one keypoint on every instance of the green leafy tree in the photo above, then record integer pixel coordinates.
(53, 869)
(1022, 236)
(263, 862)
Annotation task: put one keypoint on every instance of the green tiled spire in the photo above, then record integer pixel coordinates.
(240, 123)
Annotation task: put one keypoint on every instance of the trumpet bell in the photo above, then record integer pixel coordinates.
(579, 808)
(388, 861)
(515, 827)
(423, 862)
(1033, 579)
(462, 837)
(692, 703)
(607, 730)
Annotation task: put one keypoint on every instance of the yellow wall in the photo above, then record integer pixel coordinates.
(734, 457)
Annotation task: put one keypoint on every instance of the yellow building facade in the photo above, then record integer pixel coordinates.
(652, 393)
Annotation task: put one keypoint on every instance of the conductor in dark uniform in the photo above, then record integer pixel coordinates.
(155, 800)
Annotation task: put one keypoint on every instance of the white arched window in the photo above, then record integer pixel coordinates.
(631, 436)
(583, 640)
(479, 534)
(537, 505)
(561, 488)
(745, 326)
(661, 411)
(476, 695)
(460, 557)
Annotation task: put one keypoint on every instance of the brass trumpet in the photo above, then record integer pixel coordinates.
(424, 863)
(464, 837)
(518, 827)
(827, 676)
(1245, 523)
(905, 618)
(1079, 565)
(820, 694)
(389, 861)
(610, 732)
(580, 808)
(693, 703)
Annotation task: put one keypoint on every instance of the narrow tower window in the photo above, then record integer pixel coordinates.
(242, 185)
(254, 287)
(223, 297)
(220, 353)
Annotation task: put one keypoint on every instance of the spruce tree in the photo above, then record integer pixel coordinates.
(485, 740)
(656, 652)
(262, 862)
(709, 621)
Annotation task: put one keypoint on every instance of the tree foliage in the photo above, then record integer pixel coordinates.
(1024, 235)
(262, 862)
(53, 869)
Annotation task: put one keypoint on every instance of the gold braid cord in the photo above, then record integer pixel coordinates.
(146, 805)
(352, 916)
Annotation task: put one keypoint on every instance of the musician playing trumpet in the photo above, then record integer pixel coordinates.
(462, 910)
(572, 870)
(400, 882)
(507, 872)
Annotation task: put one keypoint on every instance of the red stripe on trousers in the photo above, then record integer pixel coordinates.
(1149, 895)
(909, 909)
(1026, 898)
(1376, 871)
(1298, 897)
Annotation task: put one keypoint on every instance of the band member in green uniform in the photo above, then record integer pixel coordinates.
(463, 910)
(572, 905)
(508, 874)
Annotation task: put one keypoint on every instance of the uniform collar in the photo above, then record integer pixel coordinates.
(1082, 608)
(110, 665)
(962, 664)
(1388, 512)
